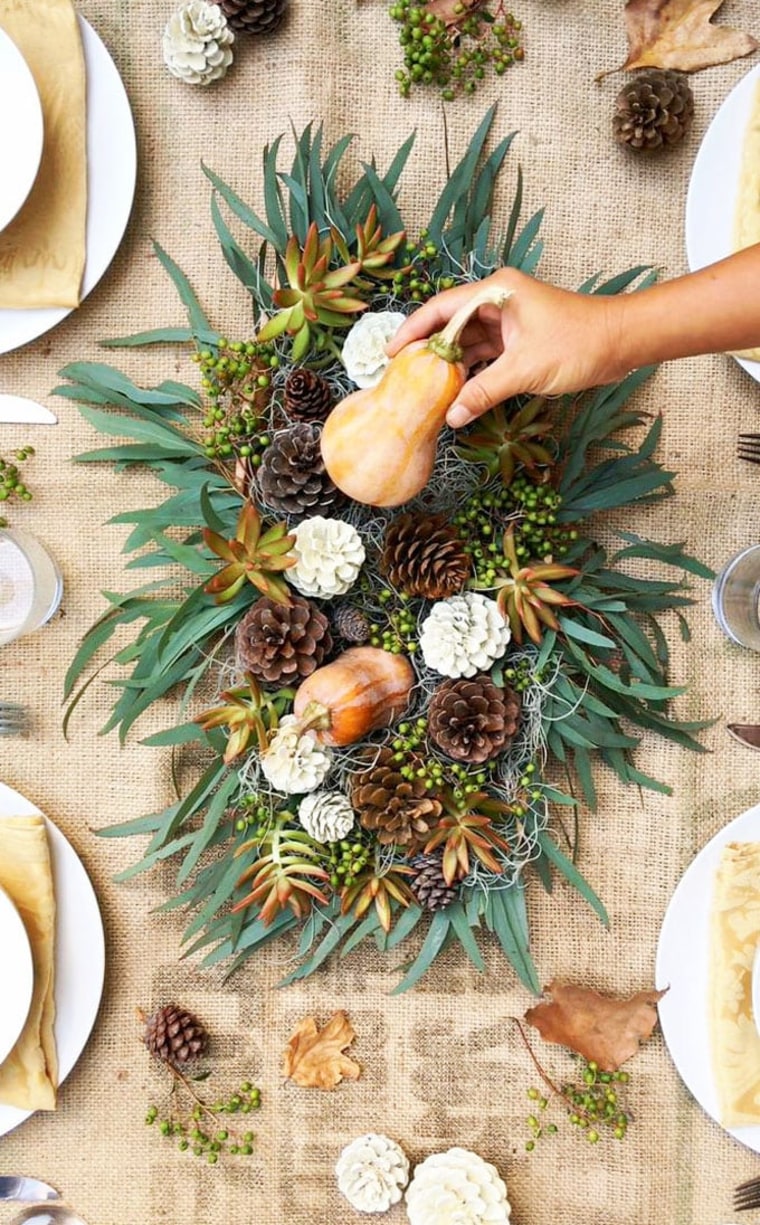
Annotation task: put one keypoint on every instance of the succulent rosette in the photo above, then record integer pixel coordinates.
(396, 691)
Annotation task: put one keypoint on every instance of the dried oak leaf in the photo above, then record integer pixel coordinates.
(679, 34)
(599, 1028)
(452, 12)
(314, 1057)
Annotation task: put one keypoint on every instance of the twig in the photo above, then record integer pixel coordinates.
(198, 1100)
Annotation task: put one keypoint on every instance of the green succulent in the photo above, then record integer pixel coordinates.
(253, 557)
(501, 442)
(247, 713)
(525, 597)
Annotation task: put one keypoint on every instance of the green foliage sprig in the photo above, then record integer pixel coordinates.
(595, 671)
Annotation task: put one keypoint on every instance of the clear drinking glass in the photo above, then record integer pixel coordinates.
(30, 585)
(736, 598)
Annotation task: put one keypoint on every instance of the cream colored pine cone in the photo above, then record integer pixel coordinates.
(464, 635)
(329, 555)
(372, 1172)
(327, 816)
(197, 43)
(295, 762)
(457, 1188)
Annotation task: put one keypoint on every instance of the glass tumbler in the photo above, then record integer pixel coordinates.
(30, 585)
(736, 598)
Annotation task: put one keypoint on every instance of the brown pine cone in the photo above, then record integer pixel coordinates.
(654, 110)
(175, 1036)
(282, 645)
(429, 884)
(308, 397)
(471, 719)
(423, 555)
(350, 624)
(254, 16)
(292, 477)
(397, 809)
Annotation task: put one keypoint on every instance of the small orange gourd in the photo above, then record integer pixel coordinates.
(363, 689)
(379, 444)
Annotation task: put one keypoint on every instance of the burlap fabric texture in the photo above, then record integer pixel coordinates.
(442, 1065)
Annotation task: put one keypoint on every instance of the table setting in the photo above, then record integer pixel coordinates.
(379, 808)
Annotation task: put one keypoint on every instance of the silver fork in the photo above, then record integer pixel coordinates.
(747, 1195)
(749, 448)
(13, 719)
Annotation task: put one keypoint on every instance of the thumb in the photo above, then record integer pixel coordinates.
(479, 394)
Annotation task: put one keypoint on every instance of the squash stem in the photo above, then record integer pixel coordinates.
(316, 718)
(446, 344)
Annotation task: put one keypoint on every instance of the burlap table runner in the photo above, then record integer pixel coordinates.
(441, 1065)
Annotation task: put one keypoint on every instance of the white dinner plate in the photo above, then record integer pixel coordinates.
(111, 177)
(21, 130)
(682, 966)
(79, 949)
(16, 975)
(714, 186)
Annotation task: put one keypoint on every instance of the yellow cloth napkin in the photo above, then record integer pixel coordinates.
(735, 922)
(29, 1075)
(42, 251)
(747, 217)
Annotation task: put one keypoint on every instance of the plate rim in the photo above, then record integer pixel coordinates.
(35, 129)
(732, 99)
(684, 1028)
(36, 323)
(28, 986)
(63, 851)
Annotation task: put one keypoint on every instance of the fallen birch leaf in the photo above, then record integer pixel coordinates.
(601, 1029)
(314, 1057)
(679, 34)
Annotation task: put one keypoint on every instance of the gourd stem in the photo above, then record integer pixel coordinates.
(316, 718)
(445, 343)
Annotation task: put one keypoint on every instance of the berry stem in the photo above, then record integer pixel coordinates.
(198, 1100)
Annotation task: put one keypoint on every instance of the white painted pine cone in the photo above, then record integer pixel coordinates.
(197, 43)
(457, 1188)
(327, 816)
(329, 555)
(295, 762)
(372, 1172)
(464, 635)
(363, 352)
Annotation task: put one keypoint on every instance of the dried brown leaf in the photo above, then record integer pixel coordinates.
(452, 12)
(601, 1029)
(314, 1057)
(679, 34)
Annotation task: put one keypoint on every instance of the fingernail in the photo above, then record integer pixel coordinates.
(458, 415)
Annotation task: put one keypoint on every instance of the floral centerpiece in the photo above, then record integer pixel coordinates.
(381, 700)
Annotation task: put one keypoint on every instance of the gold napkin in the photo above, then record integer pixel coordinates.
(735, 923)
(747, 217)
(29, 1076)
(42, 251)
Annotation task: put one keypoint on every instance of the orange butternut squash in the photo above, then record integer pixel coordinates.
(363, 689)
(379, 444)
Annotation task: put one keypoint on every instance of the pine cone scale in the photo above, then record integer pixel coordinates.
(254, 16)
(292, 477)
(398, 810)
(653, 110)
(175, 1036)
(424, 556)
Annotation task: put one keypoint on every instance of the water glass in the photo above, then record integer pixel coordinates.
(736, 598)
(30, 585)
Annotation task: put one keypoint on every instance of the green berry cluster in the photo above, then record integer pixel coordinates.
(538, 536)
(521, 675)
(454, 58)
(11, 485)
(346, 860)
(419, 279)
(399, 633)
(202, 1131)
(593, 1105)
(251, 815)
(237, 380)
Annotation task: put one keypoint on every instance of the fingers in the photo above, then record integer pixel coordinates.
(429, 318)
(479, 394)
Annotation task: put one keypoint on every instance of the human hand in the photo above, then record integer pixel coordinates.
(543, 341)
